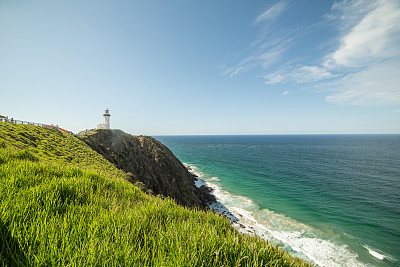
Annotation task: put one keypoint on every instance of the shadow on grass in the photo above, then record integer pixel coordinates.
(10, 251)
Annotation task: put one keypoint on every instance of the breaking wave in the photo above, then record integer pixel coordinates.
(295, 237)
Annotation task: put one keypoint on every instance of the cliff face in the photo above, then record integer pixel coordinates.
(147, 160)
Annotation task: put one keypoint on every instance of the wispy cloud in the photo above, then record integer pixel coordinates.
(311, 74)
(274, 78)
(370, 52)
(264, 51)
(285, 93)
(301, 74)
(365, 65)
(375, 86)
(262, 58)
(360, 66)
(271, 13)
(375, 36)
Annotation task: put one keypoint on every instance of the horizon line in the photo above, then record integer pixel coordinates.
(276, 134)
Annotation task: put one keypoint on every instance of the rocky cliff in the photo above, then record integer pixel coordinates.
(146, 160)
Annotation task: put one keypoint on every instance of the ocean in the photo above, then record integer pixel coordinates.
(333, 200)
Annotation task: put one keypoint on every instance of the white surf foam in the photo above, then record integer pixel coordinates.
(379, 255)
(299, 239)
(295, 237)
(375, 254)
(193, 170)
(199, 183)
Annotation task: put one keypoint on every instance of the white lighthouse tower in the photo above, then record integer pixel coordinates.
(106, 116)
(106, 124)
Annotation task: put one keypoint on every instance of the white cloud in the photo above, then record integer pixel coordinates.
(285, 93)
(374, 37)
(274, 78)
(269, 57)
(306, 74)
(369, 53)
(263, 59)
(366, 62)
(268, 45)
(374, 86)
(234, 72)
(272, 12)
(361, 69)
(302, 74)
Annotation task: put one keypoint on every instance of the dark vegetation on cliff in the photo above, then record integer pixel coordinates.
(148, 161)
(63, 204)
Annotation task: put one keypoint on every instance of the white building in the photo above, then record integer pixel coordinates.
(106, 124)
(3, 118)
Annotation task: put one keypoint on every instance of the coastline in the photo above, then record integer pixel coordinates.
(216, 206)
(298, 239)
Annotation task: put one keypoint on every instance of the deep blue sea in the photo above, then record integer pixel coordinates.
(330, 199)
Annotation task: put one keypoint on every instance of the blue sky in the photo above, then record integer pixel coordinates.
(203, 67)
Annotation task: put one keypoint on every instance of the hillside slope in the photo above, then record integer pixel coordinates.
(62, 204)
(147, 160)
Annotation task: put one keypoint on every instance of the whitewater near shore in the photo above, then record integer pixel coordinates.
(289, 234)
(299, 239)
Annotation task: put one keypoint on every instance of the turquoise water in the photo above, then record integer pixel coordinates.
(331, 199)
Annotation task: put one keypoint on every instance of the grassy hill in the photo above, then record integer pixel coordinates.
(62, 204)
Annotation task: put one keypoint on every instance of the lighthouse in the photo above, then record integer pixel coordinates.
(106, 116)
(106, 124)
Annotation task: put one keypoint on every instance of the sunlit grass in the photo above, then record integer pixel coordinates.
(62, 204)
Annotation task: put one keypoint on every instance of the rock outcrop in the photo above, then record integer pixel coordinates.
(146, 160)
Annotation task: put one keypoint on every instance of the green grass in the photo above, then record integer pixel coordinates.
(62, 204)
